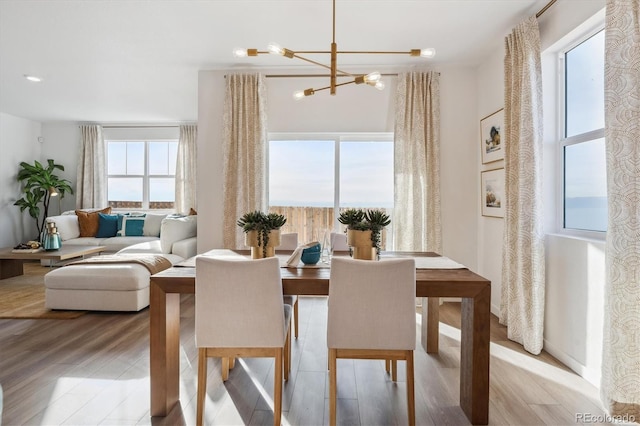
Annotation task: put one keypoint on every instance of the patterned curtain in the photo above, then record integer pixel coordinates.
(620, 387)
(523, 282)
(416, 215)
(245, 139)
(186, 169)
(91, 190)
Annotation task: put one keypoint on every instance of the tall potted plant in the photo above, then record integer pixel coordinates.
(262, 232)
(364, 231)
(40, 184)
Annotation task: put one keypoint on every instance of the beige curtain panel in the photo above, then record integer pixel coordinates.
(91, 188)
(416, 215)
(523, 273)
(620, 387)
(186, 169)
(245, 139)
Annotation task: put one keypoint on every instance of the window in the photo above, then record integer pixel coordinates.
(141, 174)
(584, 206)
(311, 177)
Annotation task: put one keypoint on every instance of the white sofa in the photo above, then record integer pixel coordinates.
(116, 287)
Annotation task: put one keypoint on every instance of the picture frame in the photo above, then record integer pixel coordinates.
(491, 137)
(492, 192)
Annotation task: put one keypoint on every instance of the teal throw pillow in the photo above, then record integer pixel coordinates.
(133, 226)
(107, 225)
(121, 217)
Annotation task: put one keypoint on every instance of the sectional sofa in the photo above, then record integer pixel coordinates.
(122, 286)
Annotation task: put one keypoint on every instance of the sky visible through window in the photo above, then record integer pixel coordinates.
(302, 173)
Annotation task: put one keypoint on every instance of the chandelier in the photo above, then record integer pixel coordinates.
(372, 79)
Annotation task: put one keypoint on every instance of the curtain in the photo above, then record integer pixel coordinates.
(620, 387)
(186, 168)
(523, 273)
(245, 139)
(91, 190)
(416, 217)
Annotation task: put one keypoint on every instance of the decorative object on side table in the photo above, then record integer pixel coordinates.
(40, 184)
(311, 255)
(364, 231)
(28, 247)
(51, 240)
(262, 232)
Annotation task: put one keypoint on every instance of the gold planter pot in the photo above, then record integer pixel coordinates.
(251, 240)
(362, 245)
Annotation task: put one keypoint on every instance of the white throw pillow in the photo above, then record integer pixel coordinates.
(175, 229)
(152, 223)
(67, 225)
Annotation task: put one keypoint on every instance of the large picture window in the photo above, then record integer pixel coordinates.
(314, 176)
(141, 174)
(582, 144)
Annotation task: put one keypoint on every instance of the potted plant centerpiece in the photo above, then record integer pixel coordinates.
(364, 231)
(262, 232)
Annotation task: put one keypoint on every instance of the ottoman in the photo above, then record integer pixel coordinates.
(98, 287)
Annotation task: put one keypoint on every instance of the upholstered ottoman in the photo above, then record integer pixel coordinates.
(98, 287)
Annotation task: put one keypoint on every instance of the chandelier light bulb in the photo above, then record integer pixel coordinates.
(379, 85)
(428, 53)
(298, 94)
(240, 53)
(275, 49)
(372, 77)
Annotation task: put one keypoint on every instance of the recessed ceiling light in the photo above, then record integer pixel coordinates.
(33, 78)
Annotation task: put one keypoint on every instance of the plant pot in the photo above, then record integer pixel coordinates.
(362, 245)
(251, 240)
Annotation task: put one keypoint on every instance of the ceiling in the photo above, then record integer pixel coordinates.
(137, 61)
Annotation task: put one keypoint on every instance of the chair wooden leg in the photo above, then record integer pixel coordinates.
(295, 316)
(225, 368)
(277, 388)
(394, 370)
(411, 402)
(202, 384)
(387, 365)
(287, 355)
(232, 362)
(333, 382)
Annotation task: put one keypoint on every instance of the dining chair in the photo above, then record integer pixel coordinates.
(289, 241)
(339, 241)
(371, 315)
(260, 329)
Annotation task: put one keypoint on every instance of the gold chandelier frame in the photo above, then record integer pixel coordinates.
(372, 79)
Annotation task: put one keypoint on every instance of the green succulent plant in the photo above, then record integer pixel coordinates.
(263, 223)
(366, 220)
(40, 183)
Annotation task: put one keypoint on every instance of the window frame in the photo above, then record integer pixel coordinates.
(145, 178)
(563, 142)
(336, 137)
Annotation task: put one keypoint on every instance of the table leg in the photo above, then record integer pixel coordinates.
(10, 268)
(164, 329)
(430, 324)
(474, 360)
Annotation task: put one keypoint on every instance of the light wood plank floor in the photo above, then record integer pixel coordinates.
(95, 370)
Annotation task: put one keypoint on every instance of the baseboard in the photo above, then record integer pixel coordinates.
(589, 374)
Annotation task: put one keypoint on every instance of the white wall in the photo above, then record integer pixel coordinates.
(574, 267)
(353, 109)
(61, 142)
(18, 142)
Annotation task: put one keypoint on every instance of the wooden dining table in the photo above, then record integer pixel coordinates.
(431, 284)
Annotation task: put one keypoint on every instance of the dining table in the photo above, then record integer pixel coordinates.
(432, 283)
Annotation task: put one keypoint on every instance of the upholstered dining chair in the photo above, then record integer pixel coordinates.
(289, 241)
(339, 241)
(259, 329)
(371, 315)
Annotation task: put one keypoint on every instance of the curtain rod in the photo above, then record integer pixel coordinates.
(317, 75)
(544, 9)
(133, 126)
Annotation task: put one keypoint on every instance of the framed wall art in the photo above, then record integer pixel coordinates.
(491, 135)
(492, 182)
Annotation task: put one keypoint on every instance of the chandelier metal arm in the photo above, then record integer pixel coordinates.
(344, 73)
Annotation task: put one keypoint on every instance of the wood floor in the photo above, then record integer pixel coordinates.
(95, 370)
